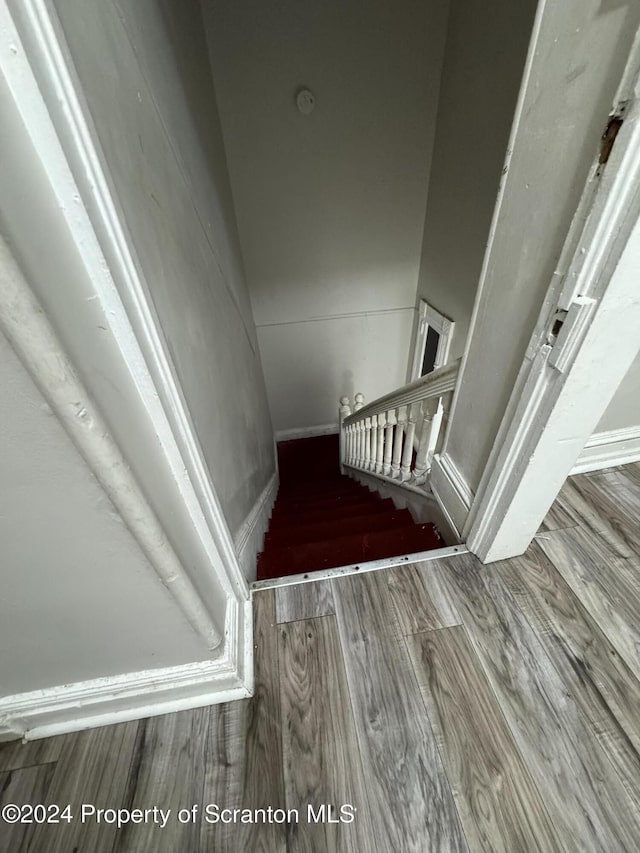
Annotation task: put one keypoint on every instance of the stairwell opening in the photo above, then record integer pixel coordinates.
(323, 519)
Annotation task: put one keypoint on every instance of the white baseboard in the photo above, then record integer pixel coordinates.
(606, 449)
(135, 695)
(306, 432)
(451, 491)
(250, 537)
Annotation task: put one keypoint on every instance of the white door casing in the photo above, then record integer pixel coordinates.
(587, 336)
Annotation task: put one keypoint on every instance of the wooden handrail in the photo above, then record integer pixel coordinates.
(434, 384)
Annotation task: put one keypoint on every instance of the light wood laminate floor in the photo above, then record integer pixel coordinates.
(453, 706)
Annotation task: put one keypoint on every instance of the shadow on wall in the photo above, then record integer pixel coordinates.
(347, 388)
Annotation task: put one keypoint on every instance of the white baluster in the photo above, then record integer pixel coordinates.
(397, 442)
(407, 452)
(382, 420)
(388, 441)
(421, 469)
(343, 412)
(436, 424)
(359, 427)
(367, 444)
(361, 435)
(352, 436)
(374, 443)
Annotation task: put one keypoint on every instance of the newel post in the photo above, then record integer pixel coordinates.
(343, 412)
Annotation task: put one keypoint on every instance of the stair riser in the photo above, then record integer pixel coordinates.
(286, 520)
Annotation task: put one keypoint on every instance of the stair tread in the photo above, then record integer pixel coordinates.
(346, 550)
(327, 529)
(284, 521)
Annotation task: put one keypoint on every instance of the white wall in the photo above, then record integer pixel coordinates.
(483, 63)
(144, 71)
(79, 599)
(623, 411)
(582, 49)
(330, 206)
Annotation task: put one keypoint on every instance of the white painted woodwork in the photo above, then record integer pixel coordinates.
(574, 66)
(374, 442)
(421, 467)
(382, 420)
(366, 459)
(430, 318)
(398, 438)
(407, 451)
(605, 449)
(570, 373)
(385, 430)
(388, 442)
(343, 412)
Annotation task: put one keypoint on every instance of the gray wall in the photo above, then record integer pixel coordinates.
(330, 206)
(79, 599)
(581, 53)
(144, 71)
(483, 63)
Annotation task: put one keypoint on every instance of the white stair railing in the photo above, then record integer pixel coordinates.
(396, 436)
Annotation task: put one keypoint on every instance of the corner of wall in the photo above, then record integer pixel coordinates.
(134, 695)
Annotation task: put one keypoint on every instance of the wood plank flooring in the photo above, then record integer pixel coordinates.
(446, 706)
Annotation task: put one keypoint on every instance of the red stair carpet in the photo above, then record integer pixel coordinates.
(322, 519)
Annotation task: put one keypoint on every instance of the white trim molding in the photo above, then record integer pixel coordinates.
(585, 341)
(429, 317)
(608, 449)
(141, 442)
(51, 105)
(27, 329)
(451, 491)
(134, 695)
(360, 568)
(307, 432)
(249, 539)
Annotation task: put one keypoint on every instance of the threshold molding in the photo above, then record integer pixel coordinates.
(360, 568)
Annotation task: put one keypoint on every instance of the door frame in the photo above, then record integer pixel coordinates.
(568, 376)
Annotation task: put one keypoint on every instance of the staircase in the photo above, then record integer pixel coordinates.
(322, 519)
